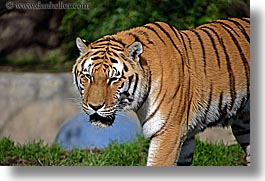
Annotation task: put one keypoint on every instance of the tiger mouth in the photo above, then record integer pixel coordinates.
(100, 121)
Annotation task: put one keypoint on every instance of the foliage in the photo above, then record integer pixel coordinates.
(111, 16)
(129, 154)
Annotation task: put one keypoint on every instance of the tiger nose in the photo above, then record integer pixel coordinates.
(96, 107)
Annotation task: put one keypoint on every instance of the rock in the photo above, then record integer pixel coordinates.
(218, 135)
(28, 28)
(77, 132)
(33, 106)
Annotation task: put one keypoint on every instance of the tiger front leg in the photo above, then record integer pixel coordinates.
(165, 147)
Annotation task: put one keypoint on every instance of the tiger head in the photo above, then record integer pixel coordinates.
(109, 78)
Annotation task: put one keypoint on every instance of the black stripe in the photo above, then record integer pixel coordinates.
(96, 64)
(161, 78)
(82, 64)
(168, 35)
(113, 60)
(157, 34)
(99, 46)
(135, 83)
(123, 57)
(246, 20)
(97, 52)
(146, 36)
(187, 58)
(180, 39)
(95, 58)
(160, 88)
(176, 91)
(209, 102)
(226, 25)
(120, 42)
(137, 38)
(241, 28)
(119, 45)
(116, 48)
(190, 46)
(106, 42)
(130, 82)
(184, 42)
(147, 92)
(171, 108)
(189, 105)
(229, 69)
(75, 75)
(231, 76)
(181, 96)
(125, 67)
(100, 41)
(153, 113)
(143, 63)
(176, 33)
(114, 53)
(203, 49)
(185, 47)
(121, 86)
(244, 60)
(214, 46)
(182, 32)
(220, 103)
(172, 41)
(110, 38)
(214, 32)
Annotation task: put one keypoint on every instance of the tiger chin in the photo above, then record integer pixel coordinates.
(101, 122)
(178, 82)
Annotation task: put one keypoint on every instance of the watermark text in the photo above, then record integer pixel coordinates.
(42, 6)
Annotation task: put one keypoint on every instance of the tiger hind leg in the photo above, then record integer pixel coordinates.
(187, 151)
(241, 131)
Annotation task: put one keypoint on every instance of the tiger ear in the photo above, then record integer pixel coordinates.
(135, 50)
(82, 45)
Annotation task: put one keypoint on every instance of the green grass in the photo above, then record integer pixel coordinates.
(131, 154)
(207, 154)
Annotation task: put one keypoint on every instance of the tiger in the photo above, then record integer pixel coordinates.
(179, 82)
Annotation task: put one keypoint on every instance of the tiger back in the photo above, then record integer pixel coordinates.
(178, 82)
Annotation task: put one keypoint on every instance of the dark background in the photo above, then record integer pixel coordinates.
(44, 40)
